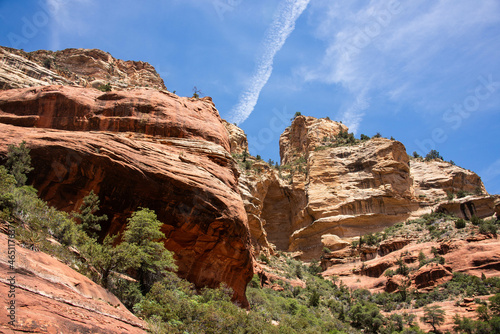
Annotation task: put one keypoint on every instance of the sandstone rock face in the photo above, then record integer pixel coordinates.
(431, 275)
(480, 206)
(80, 67)
(475, 257)
(354, 190)
(497, 207)
(304, 135)
(324, 191)
(53, 298)
(142, 148)
(237, 138)
(253, 191)
(333, 242)
(433, 179)
(392, 245)
(142, 111)
(273, 207)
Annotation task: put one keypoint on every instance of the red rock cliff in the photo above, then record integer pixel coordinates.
(139, 148)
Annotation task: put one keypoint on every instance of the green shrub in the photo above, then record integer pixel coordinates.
(487, 228)
(154, 261)
(47, 63)
(19, 162)
(264, 258)
(389, 273)
(90, 223)
(402, 269)
(297, 114)
(460, 223)
(366, 315)
(476, 221)
(434, 315)
(433, 154)
(450, 195)
(248, 165)
(105, 88)
(370, 239)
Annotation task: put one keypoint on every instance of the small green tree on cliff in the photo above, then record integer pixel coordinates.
(90, 223)
(153, 260)
(434, 316)
(139, 250)
(433, 154)
(19, 162)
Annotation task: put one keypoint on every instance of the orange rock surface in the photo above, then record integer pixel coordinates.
(140, 148)
(50, 297)
(73, 67)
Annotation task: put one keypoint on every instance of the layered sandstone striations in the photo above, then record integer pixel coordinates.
(326, 193)
(140, 148)
(237, 138)
(50, 297)
(77, 67)
(353, 190)
(304, 135)
(432, 180)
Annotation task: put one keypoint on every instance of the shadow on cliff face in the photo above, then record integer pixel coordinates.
(277, 214)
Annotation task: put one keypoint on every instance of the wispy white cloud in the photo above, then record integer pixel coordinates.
(491, 173)
(353, 116)
(62, 19)
(399, 49)
(282, 26)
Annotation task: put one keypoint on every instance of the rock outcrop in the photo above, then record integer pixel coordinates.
(475, 257)
(144, 111)
(480, 206)
(304, 135)
(237, 138)
(50, 297)
(324, 189)
(140, 148)
(432, 180)
(353, 190)
(76, 67)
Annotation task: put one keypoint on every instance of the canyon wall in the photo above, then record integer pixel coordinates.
(327, 188)
(139, 148)
(74, 67)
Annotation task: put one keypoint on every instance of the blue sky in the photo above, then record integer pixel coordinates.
(425, 72)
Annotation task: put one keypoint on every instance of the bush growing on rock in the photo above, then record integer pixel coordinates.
(432, 155)
(460, 223)
(90, 223)
(19, 162)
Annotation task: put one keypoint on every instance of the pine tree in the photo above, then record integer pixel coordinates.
(107, 259)
(153, 260)
(90, 223)
(19, 162)
(433, 315)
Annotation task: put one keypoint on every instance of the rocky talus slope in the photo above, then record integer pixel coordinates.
(139, 148)
(73, 67)
(324, 190)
